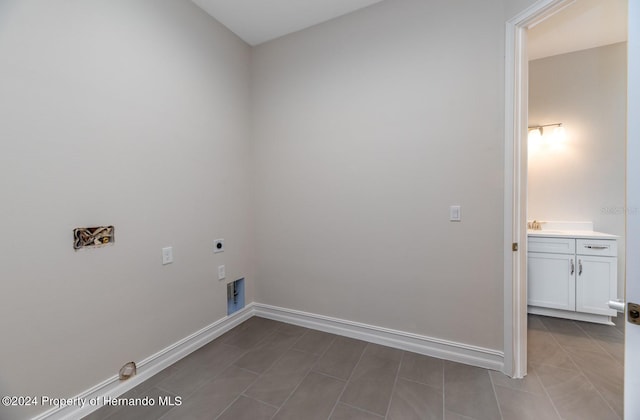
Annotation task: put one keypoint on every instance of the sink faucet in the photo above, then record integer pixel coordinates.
(535, 225)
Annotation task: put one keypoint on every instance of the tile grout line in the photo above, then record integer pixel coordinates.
(544, 388)
(600, 346)
(592, 385)
(258, 399)
(238, 397)
(395, 383)
(275, 329)
(346, 384)
(538, 317)
(306, 375)
(329, 376)
(546, 392)
(523, 390)
(185, 398)
(284, 351)
(495, 395)
(231, 363)
(259, 375)
(435, 388)
(463, 417)
(270, 366)
(581, 371)
(362, 409)
(321, 355)
(564, 350)
(159, 385)
(444, 402)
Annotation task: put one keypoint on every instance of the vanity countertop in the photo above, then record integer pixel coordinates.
(578, 234)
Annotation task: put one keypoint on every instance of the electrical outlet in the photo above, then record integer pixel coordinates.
(221, 272)
(167, 255)
(218, 245)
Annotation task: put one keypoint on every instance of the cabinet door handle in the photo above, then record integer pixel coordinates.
(579, 267)
(596, 247)
(573, 267)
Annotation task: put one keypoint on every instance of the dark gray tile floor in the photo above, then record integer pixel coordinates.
(265, 369)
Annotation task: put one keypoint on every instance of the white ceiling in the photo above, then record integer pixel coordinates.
(584, 24)
(258, 21)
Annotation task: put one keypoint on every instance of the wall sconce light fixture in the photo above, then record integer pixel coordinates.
(537, 132)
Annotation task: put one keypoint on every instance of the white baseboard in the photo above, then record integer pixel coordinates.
(435, 347)
(148, 367)
(443, 349)
(576, 316)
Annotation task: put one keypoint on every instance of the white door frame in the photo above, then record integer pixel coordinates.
(515, 187)
(632, 286)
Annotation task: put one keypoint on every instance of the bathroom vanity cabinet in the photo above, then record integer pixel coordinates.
(572, 277)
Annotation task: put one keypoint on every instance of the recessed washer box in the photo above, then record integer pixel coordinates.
(235, 296)
(93, 237)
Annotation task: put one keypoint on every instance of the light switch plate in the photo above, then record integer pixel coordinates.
(167, 255)
(221, 272)
(455, 214)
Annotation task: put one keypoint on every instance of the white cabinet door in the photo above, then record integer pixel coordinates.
(596, 284)
(551, 281)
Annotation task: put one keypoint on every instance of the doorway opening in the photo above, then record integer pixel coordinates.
(516, 166)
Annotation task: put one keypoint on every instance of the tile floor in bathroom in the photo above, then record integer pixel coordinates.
(265, 369)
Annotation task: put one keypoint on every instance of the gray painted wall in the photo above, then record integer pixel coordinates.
(131, 113)
(366, 129)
